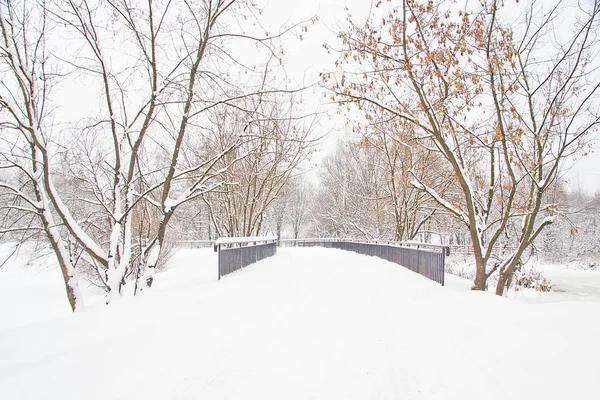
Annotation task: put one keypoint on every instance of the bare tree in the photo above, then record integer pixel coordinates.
(23, 107)
(412, 207)
(575, 237)
(353, 202)
(110, 180)
(366, 189)
(277, 215)
(276, 143)
(300, 201)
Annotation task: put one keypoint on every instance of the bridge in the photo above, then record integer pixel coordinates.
(423, 258)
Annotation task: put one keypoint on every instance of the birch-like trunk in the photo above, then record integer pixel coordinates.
(54, 237)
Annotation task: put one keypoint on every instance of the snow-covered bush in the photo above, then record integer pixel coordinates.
(526, 278)
(532, 279)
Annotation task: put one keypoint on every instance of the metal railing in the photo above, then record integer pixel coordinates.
(237, 253)
(430, 263)
(467, 250)
(194, 244)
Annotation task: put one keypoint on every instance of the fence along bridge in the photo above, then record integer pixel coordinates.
(425, 259)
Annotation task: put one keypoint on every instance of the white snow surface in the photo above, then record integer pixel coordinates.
(576, 283)
(31, 287)
(308, 323)
(569, 282)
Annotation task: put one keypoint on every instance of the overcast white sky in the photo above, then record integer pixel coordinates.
(306, 59)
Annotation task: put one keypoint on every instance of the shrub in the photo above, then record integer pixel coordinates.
(532, 279)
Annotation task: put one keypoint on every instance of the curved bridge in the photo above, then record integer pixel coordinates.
(425, 259)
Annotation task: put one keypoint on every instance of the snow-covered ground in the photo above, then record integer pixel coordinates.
(569, 282)
(31, 286)
(308, 323)
(576, 283)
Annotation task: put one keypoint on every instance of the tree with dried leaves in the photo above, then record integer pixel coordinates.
(505, 92)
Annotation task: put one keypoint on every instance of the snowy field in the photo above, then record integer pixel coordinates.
(580, 284)
(306, 324)
(569, 282)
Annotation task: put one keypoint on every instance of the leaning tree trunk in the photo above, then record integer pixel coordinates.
(66, 266)
(56, 241)
(505, 279)
(151, 254)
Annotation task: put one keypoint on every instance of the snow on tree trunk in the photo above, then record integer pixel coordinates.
(56, 241)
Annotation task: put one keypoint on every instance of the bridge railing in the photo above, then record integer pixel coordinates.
(194, 244)
(422, 258)
(468, 250)
(238, 252)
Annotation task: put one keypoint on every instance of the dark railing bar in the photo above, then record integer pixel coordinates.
(239, 252)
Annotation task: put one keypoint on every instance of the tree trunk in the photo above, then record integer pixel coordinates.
(480, 281)
(68, 273)
(505, 279)
(64, 261)
(53, 234)
(152, 253)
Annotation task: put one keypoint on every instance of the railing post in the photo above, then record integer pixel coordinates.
(444, 265)
(218, 250)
